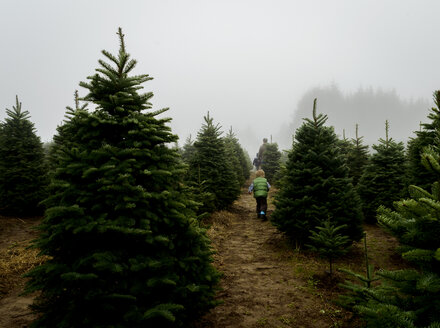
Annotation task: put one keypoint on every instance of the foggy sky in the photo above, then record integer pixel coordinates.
(248, 62)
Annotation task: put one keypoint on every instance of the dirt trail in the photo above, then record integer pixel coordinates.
(15, 260)
(259, 286)
(266, 282)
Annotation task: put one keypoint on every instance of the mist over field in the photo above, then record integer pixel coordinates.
(254, 65)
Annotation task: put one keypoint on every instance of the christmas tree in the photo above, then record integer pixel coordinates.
(328, 242)
(316, 185)
(212, 165)
(383, 180)
(357, 157)
(417, 174)
(123, 245)
(409, 297)
(23, 168)
(271, 164)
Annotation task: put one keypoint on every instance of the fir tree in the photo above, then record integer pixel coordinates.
(23, 168)
(345, 146)
(212, 165)
(417, 174)
(188, 150)
(383, 180)
(316, 185)
(233, 154)
(271, 164)
(329, 243)
(64, 134)
(124, 247)
(409, 298)
(357, 158)
(357, 291)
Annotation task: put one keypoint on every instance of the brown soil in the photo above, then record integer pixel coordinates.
(267, 282)
(15, 260)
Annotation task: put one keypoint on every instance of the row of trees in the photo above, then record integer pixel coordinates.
(330, 185)
(121, 234)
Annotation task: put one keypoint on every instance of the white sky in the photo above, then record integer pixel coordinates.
(246, 61)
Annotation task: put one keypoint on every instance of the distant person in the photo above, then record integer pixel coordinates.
(260, 187)
(256, 162)
(261, 153)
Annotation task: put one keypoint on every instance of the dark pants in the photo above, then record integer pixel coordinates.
(261, 204)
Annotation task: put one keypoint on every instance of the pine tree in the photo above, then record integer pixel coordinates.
(64, 133)
(316, 185)
(383, 180)
(232, 153)
(188, 150)
(417, 174)
(23, 168)
(271, 164)
(358, 291)
(212, 165)
(328, 242)
(409, 298)
(124, 247)
(357, 158)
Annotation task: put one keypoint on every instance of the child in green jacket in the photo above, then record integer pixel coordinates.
(261, 187)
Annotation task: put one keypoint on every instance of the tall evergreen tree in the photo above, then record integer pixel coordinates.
(417, 174)
(124, 248)
(212, 166)
(383, 180)
(23, 169)
(272, 163)
(316, 185)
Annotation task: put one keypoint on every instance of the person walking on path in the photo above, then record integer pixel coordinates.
(260, 187)
(261, 153)
(256, 162)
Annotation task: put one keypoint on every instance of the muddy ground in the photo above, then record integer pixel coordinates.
(267, 282)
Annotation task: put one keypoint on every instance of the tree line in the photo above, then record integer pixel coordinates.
(123, 206)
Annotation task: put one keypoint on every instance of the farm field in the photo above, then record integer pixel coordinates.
(266, 281)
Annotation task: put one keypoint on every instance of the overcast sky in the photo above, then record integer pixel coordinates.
(248, 62)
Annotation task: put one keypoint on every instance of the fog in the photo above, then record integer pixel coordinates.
(254, 65)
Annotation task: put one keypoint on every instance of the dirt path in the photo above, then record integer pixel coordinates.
(266, 281)
(261, 285)
(15, 260)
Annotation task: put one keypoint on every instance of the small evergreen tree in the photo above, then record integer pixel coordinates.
(357, 158)
(65, 133)
(188, 150)
(417, 174)
(357, 291)
(328, 242)
(23, 168)
(232, 148)
(124, 248)
(383, 180)
(316, 185)
(271, 164)
(212, 165)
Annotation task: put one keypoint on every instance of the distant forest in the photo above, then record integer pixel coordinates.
(367, 107)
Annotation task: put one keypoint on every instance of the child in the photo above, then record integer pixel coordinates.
(261, 187)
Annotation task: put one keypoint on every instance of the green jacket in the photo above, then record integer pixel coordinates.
(260, 187)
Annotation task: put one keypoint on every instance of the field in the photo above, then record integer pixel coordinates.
(267, 281)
